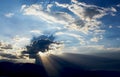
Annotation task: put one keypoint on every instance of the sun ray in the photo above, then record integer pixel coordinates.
(50, 69)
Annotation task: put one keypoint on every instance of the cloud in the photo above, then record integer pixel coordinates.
(95, 39)
(12, 51)
(84, 20)
(7, 51)
(86, 12)
(113, 9)
(20, 42)
(5, 46)
(118, 5)
(75, 24)
(36, 32)
(9, 15)
(91, 49)
(110, 26)
(9, 56)
(70, 38)
(37, 10)
(118, 26)
(62, 5)
(41, 44)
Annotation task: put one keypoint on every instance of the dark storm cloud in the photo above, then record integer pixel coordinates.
(10, 56)
(39, 44)
(45, 37)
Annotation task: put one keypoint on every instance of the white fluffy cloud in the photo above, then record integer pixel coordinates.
(37, 10)
(86, 15)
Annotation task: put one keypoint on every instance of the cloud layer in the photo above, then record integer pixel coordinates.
(75, 24)
(80, 19)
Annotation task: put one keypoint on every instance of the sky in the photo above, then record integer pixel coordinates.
(85, 26)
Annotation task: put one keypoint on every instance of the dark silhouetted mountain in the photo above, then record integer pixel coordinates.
(68, 65)
(21, 70)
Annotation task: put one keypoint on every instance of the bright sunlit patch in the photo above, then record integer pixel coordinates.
(45, 59)
(40, 53)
